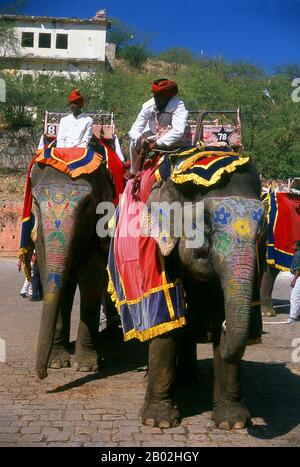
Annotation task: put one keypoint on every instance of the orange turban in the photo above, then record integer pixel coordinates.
(165, 87)
(76, 98)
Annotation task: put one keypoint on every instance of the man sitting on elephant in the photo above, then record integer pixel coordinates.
(162, 119)
(75, 130)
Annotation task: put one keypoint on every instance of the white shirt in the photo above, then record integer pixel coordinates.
(118, 149)
(74, 132)
(173, 119)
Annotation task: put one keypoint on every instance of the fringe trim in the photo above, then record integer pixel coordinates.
(62, 167)
(189, 163)
(34, 232)
(180, 178)
(22, 255)
(155, 331)
(112, 291)
(271, 262)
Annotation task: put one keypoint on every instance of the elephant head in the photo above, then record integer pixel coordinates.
(66, 211)
(230, 219)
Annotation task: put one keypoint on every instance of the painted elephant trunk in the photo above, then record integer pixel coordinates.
(52, 294)
(57, 218)
(237, 283)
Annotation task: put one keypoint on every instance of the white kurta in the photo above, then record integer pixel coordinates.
(295, 298)
(173, 119)
(74, 132)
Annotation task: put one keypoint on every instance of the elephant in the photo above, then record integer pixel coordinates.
(267, 284)
(69, 252)
(219, 279)
(289, 219)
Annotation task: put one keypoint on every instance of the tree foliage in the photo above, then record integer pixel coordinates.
(178, 56)
(9, 43)
(136, 55)
(270, 125)
(119, 34)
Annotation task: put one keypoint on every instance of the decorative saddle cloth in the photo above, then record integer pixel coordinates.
(144, 285)
(73, 162)
(284, 228)
(200, 166)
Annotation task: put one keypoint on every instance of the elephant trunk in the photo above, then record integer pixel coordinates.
(57, 220)
(237, 276)
(52, 293)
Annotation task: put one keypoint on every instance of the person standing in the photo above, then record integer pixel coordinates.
(295, 284)
(37, 289)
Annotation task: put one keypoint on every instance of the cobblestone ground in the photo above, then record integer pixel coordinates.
(73, 409)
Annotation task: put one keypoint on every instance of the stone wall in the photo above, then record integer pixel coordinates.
(10, 227)
(17, 147)
(110, 54)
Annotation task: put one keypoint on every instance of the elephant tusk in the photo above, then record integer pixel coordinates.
(224, 326)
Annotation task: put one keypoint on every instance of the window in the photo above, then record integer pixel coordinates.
(62, 41)
(44, 40)
(27, 39)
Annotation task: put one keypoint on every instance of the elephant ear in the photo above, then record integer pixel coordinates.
(158, 219)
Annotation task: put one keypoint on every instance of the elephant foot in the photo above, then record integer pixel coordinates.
(231, 417)
(59, 358)
(268, 311)
(86, 362)
(161, 414)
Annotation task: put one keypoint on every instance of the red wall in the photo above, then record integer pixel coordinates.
(10, 227)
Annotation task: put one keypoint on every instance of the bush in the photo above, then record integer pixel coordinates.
(135, 55)
(177, 55)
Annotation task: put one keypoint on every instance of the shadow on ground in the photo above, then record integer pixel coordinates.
(281, 306)
(271, 392)
(117, 357)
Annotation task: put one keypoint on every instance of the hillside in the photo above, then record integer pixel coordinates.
(271, 125)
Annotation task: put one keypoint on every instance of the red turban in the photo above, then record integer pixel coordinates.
(165, 87)
(76, 98)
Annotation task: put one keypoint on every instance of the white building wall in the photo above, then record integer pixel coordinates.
(56, 68)
(85, 41)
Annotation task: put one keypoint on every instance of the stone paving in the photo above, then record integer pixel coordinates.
(73, 409)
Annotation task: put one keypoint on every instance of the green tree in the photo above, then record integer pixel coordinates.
(136, 55)
(9, 43)
(178, 56)
(119, 34)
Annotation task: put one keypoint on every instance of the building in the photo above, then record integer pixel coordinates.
(58, 45)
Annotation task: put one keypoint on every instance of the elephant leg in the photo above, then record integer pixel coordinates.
(229, 409)
(158, 409)
(266, 289)
(60, 357)
(92, 279)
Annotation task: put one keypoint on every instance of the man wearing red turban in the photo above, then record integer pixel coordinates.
(75, 130)
(162, 119)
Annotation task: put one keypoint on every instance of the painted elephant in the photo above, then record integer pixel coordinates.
(281, 229)
(69, 252)
(219, 281)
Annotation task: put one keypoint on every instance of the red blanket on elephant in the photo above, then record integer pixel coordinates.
(284, 228)
(144, 284)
